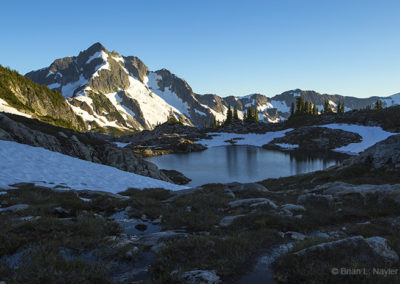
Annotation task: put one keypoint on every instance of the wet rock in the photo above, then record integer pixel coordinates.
(141, 227)
(200, 276)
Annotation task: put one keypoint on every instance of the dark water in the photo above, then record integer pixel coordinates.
(242, 164)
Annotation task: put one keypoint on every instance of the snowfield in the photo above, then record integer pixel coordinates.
(251, 139)
(5, 107)
(370, 136)
(23, 163)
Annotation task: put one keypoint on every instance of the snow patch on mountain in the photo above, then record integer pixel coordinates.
(102, 121)
(199, 112)
(392, 100)
(115, 99)
(281, 106)
(167, 95)
(5, 107)
(68, 90)
(23, 163)
(103, 66)
(218, 116)
(154, 108)
(54, 86)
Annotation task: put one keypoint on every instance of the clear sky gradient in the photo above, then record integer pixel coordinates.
(347, 47)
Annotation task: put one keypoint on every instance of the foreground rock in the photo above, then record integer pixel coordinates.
(85, 146)
(385, 154)
(200, 277)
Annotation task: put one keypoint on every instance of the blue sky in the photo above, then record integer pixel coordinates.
(349, 47)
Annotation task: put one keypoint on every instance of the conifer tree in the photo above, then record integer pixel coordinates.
(327, 108)
(229, 116)
(291, 110)
(299, 105)
(249, 114)
(315, 110)
(245, 116)
(255, 114)
(306, 107)
(235, 114)
(378, 105)
(214, 122)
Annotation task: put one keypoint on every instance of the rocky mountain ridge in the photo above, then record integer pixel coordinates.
(110, 90)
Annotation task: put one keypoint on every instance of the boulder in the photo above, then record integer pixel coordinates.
(228, 220)
(252, 202)
(15, 208)
(200, 277)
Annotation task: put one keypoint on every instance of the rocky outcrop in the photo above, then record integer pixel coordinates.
(377, 246)
(164, 139)
(316, 138)
(84, 146)
(385, 154)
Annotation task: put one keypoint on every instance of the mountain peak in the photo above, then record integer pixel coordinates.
(96, 47)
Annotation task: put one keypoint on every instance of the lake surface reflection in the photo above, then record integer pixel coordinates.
(242, 164)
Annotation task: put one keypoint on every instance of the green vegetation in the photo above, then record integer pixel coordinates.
(37, 100)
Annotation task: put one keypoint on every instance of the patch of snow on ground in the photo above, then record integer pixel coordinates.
(251, 139)
(370, 136)
(287, 146)
(68, 90)
(5, 107)
(23, 163)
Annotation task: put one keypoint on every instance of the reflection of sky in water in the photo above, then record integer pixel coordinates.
(241, 163)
